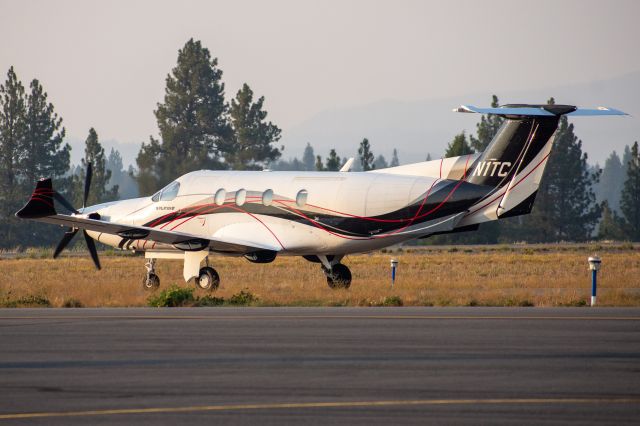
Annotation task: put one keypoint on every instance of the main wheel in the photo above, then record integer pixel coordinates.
(340, 276)
(208, 279)
(150, 282)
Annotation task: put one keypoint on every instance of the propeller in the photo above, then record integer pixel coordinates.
(71, 232)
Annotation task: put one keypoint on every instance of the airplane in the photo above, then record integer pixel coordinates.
(321, 216)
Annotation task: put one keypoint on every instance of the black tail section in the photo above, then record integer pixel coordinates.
(518, 141)
(41, 202)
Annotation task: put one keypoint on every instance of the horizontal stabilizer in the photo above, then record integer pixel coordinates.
(524, 110)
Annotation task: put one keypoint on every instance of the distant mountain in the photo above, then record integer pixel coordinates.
(416, 128)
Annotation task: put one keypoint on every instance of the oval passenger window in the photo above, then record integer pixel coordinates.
(267, 197)
(241, 197)
(301, 198)
(220, 196)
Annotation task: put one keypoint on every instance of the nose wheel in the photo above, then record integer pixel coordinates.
(208, 279)
(151, 281)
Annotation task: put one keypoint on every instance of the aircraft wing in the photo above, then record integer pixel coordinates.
(180, 240)
(41, 208)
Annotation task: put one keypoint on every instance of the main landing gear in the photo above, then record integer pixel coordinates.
(338, 275)
(207, 278)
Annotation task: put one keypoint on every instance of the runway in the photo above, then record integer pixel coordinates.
(320, 366)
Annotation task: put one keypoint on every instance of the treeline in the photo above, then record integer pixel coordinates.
(199, 129)
(311, 162)
(575, 202)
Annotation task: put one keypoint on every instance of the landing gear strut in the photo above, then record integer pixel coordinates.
(151, 281)
(208, 279)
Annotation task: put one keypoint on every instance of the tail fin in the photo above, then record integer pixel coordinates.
(514, 161)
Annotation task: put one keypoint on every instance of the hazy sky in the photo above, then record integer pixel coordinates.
(104, 63)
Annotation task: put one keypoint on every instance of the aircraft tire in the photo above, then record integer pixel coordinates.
(151, 282)
(340, 277)
(208, 279)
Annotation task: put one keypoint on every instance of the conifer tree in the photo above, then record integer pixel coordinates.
(458, 146)
(486, 129)
(43, 153)
(333, 161)
(612, 225)
(366, 156)
(192, 120)
(308, 158)
(565, 207)
(100, 190)
(394, 159)
(252, 137)
(319, 166)
(12, 137)
(380, 162)
(611, 181)
(630, 199)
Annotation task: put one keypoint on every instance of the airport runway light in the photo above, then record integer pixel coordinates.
(394, 267)
(594, 265)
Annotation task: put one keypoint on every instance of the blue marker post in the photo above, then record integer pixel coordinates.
(594, 266)
(394, 266)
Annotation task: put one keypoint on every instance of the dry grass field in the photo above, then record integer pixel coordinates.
(549, 275)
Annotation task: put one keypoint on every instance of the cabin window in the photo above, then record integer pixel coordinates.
(267, 197)
(301, 198)
(220, 197)
(241, 197)
(168, 193)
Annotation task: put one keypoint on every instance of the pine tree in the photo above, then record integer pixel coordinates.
(100, 191)
(44, 155)
(458, 146)
(127, 187)
(630, 199)
(366, 156)
(611, 182)
(253, 137)
(565, 206)
(486, 129)
(333, 161)
(428, 157)
(394, 159)
(193, 121)
(612, 225)
(12, 139)
(319, 166)
(308, 158)
(380, 162)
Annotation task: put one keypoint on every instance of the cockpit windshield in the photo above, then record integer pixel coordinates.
(167, 193)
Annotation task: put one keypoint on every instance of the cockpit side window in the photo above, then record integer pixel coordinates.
(168, 193)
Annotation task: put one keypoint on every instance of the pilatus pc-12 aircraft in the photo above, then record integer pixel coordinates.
(319, 216)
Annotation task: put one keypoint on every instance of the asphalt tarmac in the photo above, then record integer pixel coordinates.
(320, 366)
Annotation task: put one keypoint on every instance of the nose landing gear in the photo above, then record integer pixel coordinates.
(151, 281)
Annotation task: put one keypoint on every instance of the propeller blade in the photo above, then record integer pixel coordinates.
(87, 184)
(68, 236)
(92, 249)
(59, 198)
